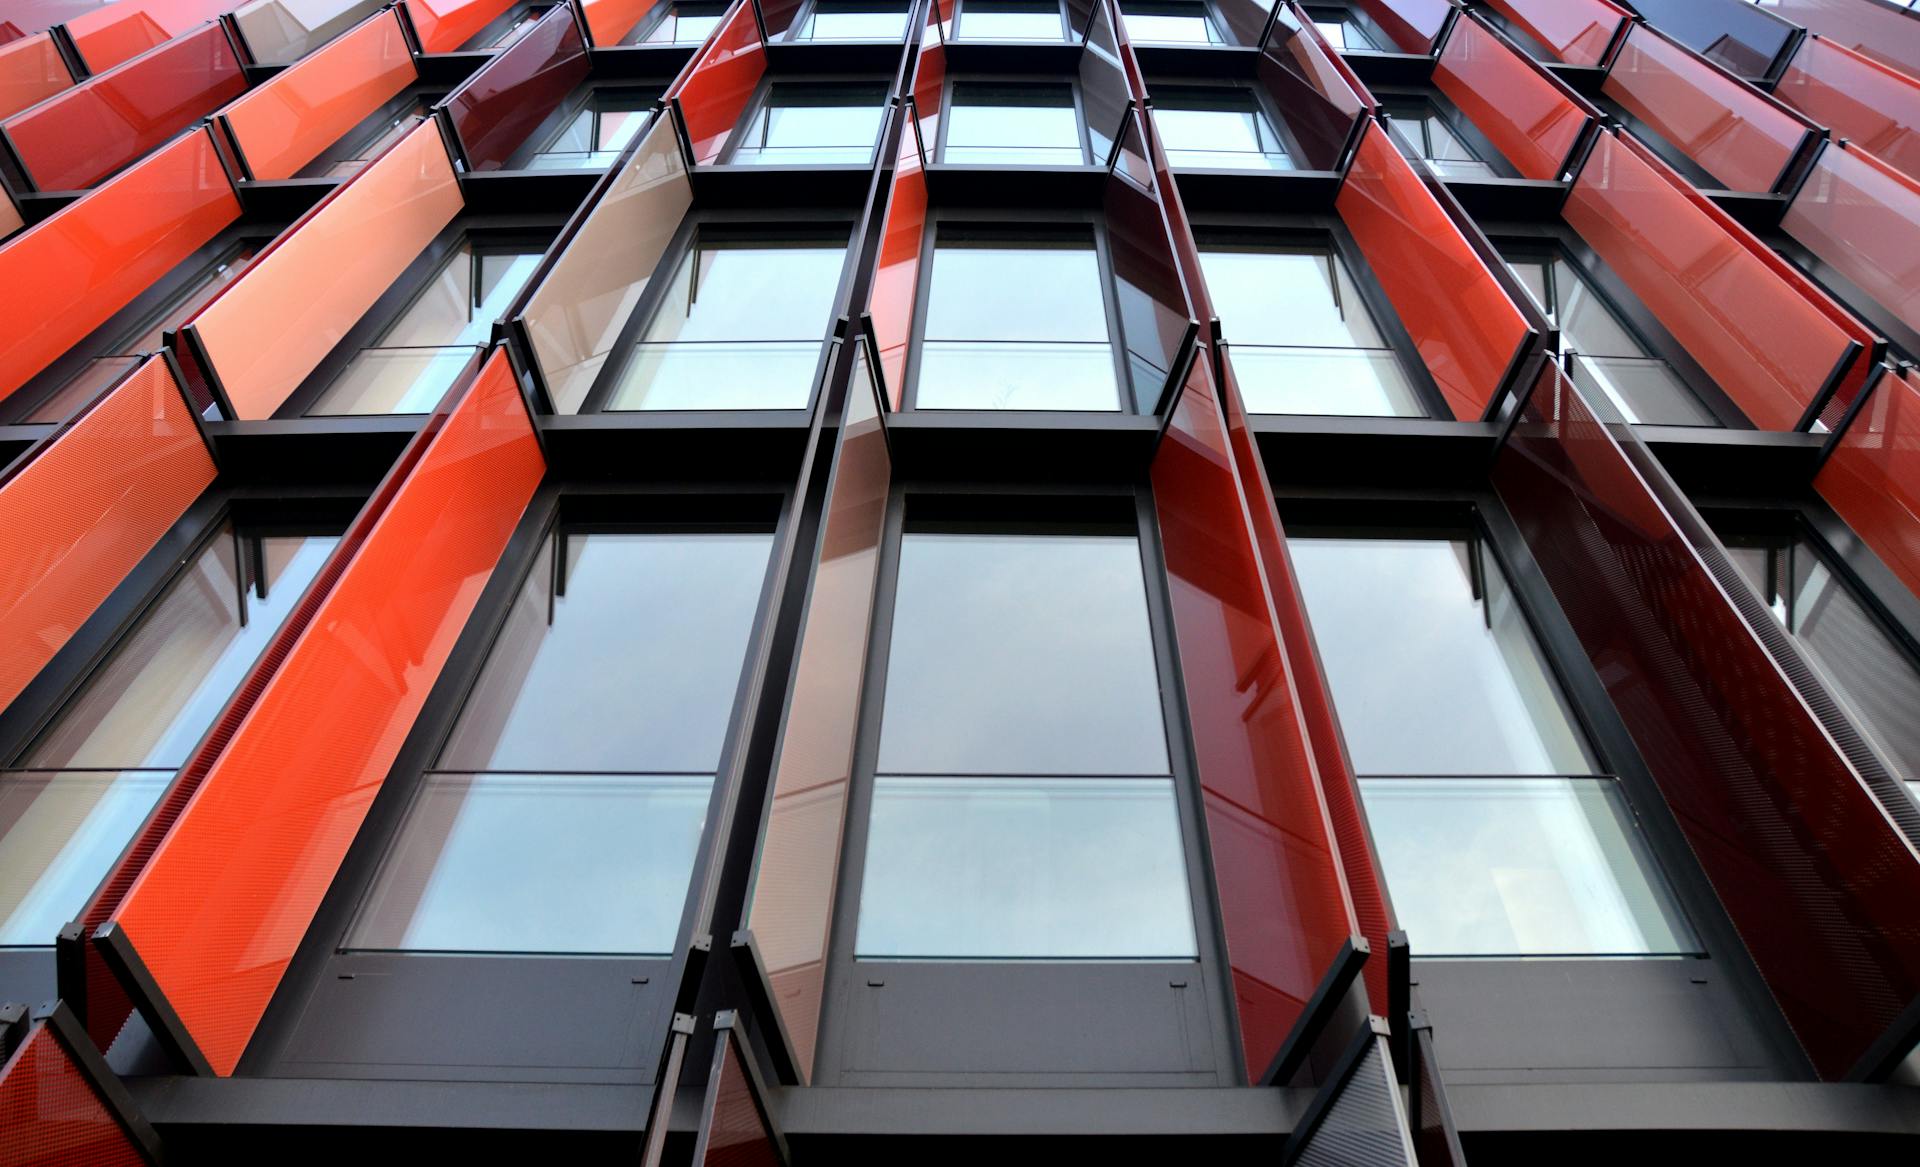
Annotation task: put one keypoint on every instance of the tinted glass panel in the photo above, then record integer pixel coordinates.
(851, 20)
(1519, 866)
(813, 125)
(1010, 20)
(1173, 24)
(740, 327)
(1217, 128)
(1301, 339)
(1433, 667)
(1016, 326)
(1014, 125)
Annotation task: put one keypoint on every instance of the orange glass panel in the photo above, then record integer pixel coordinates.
(1756, 327)
(713, 92)
(1863, 217)
(1283, 897)
(269, 329)
(286, 122)
(1872, 479)
(734, 1128)
(220, 909)
(575, 315)
(1413, 24)
(1726, 126)
(445, 25)
(121, 31)
(1527, 113)
(77, 517)
(1858, 98)
(52, 1114)
(10, 220)
(63, 278)
(791, 914)
(30, 70)
(1578, 32)
(74, 140)
(611, 20)
(1464, 325)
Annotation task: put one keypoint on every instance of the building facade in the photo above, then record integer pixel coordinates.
(824, 581)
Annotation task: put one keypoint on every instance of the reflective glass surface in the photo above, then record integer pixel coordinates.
(1168, 23)
(1217, 128)
(740, 327)
(1016, 326)
(1300, 338)
(853, 20)
(813, 125)
(1422, 132)
(59, 834)
(591, 140)
(1520, 867)
(683, 24)
(1344, 34)
(1010, 20)
(1013, 125)
(1433, 667)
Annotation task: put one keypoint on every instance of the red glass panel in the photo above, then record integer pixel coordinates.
(52, 1114)
(1578, 32)
(1414, 25)
(1759, 329)
(10, 220)
(1320, 97)
(1858, 98)
(1863, 217)
(896, 279)
(63, 278)
(1816, 878)
(1464, 325)
(734, 1130)
(1283, 898)
(1532, 117)
(84, 510)
(1872, 478)
(446, 25)
(713, 92)
(495, 110)
(285, 122)
(609, 21)
(1726, 126)
(121, 31)
(74, 140)
(30, 70)
(219, 910)
(1865, 27)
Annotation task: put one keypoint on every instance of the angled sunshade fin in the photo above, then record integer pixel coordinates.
(1531, 116)
(1742, 37)
(1309, 81)
(266, 331)
(213, 919)
(735, 1124)
(446, 25)
(574, 315)
(1578, 32)
(1871, 477)
(1800, 850)
(1414, 25)
(1880, 31)
(116, 32)
(287, 121)
(712, 93)
(1861, 217)
(31, 70)
(80, 136)
(1874, 106)
(67, 275)
(609, 22)
(495, 110)
(60, 1103)
(1467, 328)
(276, 32)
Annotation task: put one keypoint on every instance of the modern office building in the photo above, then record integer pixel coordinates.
(919, 581)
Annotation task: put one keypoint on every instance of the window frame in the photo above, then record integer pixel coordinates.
(949, 101)
(1401, 104)
(595, 96)
(1068, 34)
(808, 10)
(1264, 104)
(758, 106)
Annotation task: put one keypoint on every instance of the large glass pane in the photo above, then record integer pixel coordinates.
(739, 327)
(1014, 125)
(1422, 132)
(853, 20)
(1010, 20)
(624, 656)
(154, 698)
(1009, 868)
(1168, 23)
(1217, 128)
(581, 863)
(1343, 34)
(813, 125)
(1301, 339)
(1433, 667)
(591, 140)
(1021, 655)
(682, 24)
(59, 834)
(1520, 867)
(1016, 325)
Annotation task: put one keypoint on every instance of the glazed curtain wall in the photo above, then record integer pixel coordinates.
(1856, 97)
(1529, 114)
(215, 916)
(1579, 32)
(494, 110)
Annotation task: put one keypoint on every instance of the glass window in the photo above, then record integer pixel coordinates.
(740, 327)
(521, 25)
(853, 20)
(1871, 673)
(1173, 23)
(1023, 802)
(593, 137)
(1601, 353)
(568, 803)
(1018, 125)
(389, 131)
(1010, 20)
(1300, 338)
(1343, 33)
(1016, 324)
(813, 125)
(420, 355)
(145, 335)
(681, 24)
(1221, 128)
(1421, 131)
(82, 790)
